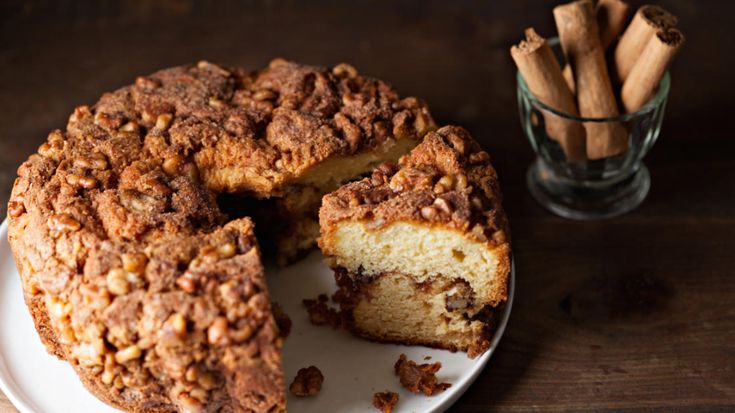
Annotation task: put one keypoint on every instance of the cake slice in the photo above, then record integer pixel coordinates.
(421, 250)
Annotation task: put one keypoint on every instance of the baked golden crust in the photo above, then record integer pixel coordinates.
(447, 180)
(130, 269)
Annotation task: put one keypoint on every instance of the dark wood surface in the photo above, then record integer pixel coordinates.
(629, 314)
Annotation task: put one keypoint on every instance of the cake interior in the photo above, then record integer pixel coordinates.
(417, 284)
(393, 307)
(421, 250)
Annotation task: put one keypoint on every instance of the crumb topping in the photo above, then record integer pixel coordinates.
(446, 180)
(419, 378)
(308, 382)
(385, 401)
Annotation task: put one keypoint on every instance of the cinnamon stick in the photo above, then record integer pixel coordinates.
(611, 18)
(647, 21)
(648, 71)
(580, 40)
(541, 71)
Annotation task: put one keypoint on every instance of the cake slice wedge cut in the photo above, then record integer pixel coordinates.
(421, 250)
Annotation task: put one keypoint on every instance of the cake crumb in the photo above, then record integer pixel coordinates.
(427, 357)
(308, 382)
(419, 378)
(283, 321)
(385, 401)
(320, 313)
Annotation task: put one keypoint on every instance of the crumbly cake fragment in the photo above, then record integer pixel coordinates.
(130, 269)
(419, 378)
(385, 401)
(420, 250)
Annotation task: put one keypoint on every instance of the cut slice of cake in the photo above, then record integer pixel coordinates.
(421, 251)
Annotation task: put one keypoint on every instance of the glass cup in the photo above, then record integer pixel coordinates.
(590, 189)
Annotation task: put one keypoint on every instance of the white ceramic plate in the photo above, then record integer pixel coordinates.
(354, 369)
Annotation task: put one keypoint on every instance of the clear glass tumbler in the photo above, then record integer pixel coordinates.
(590, 189)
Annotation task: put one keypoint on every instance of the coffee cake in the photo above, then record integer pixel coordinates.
(130, 268)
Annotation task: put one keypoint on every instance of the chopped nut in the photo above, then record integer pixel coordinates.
(108, 377)
(45, 150)
(445, 183)
(227, 250)
(207, 380)
(145, 83)
(177, 321)
(264, 94)
(148, 117)
(216, 102)
(117, 282)
(191, 171)
(461, 184)
(187, 283)
(128, 353)
(457, 142)
(199, 393)
(443, 205)
(130, 127)
(134, 262)
(278, 61)
(163, 121)
(385, 401)
(308, 382)
(172, 164)
(98, 162)
(217, 332)
(428, 212)
(189, 404)
(242, 334)
(421, 123)
(118, 383)
(87, 182)
(479, 232)
(16, 208)
(64, 223)
(419, 378)
(479, 157)
(477, 202)
(345, 70)
(499, 236)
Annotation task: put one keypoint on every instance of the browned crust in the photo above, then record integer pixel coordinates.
(137, 174)
(410, 193)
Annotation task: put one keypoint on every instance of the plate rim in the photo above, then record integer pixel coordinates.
(17, 396)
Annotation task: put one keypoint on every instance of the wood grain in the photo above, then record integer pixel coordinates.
(629, 314)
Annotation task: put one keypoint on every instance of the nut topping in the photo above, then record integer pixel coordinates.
(134, 262)
(117, 282)
(443, 205)
(428, 212)
(16, 209)
(64, 223)
(127, 354)
(345, 70)
(217, 332)
(479, 157)
(163, 121)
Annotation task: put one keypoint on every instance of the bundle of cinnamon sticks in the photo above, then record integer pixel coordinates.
(585, 87)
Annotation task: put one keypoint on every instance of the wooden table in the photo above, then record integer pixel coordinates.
(634, 313)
